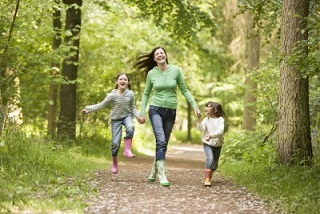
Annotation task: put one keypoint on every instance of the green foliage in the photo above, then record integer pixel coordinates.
(266, 93)
(266, 15)
(41, 176)
(181, 136)
(292, 189)
(168, 15)
(250, 147)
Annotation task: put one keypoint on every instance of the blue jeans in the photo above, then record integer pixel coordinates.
(213, 155)
(116, 130)
(162, 121)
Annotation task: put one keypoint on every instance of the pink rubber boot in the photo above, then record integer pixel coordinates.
(114, 168)
(127, 148)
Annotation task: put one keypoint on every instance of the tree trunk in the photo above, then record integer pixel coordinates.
(53, 91)
(252, 55)
(294, 120)
(67, 117)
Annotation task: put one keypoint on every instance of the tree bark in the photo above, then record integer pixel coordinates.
(252, 55)
(67, 117)
(294, 120)
(53, 91)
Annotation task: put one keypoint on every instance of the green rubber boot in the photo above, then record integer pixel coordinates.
(161, 165)
(153, 174)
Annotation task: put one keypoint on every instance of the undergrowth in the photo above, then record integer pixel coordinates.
(38, 175)
(252, 164)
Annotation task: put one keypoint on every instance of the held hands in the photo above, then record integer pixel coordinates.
(141, 119)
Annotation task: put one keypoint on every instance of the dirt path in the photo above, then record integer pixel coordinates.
(129, 191)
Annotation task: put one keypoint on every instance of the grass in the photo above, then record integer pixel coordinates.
(294, 189)
(39, 176)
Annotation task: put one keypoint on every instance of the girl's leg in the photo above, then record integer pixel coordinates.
(128, 123)
(216, 155)
(209, 156)
(208, 171)
(116, 130)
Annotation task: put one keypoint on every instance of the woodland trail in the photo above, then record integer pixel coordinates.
(129, 191)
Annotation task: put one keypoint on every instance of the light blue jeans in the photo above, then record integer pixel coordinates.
(212, 156)
(116, 130)
(162, 121)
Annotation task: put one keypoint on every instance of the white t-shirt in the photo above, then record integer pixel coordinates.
(213, 127)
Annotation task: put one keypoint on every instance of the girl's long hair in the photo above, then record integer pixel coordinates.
(145, 62)
(217, 109)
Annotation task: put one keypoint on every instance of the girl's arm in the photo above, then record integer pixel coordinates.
(98, 106)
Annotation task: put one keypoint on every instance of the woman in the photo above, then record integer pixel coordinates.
(162, 80)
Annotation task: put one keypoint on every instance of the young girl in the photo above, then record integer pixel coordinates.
(213, 127)
(123, 109)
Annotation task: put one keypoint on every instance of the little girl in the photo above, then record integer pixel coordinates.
(123, 109)
(213, 127)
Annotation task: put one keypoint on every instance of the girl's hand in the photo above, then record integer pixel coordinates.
(208, 137)
(197, 112)
(83, 111)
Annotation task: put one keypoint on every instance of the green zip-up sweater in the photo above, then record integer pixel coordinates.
(163, 87)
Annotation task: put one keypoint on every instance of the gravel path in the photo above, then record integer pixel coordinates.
(129, 191)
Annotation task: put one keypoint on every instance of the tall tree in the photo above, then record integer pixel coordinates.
(294, 120)
(53, 91)
(67, 116)
(252, 55)
(8, 78)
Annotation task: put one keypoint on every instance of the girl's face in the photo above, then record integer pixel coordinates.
(209, 110)
(122, 82)
(160, 56)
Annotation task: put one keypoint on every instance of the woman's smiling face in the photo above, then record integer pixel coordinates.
(160, 56)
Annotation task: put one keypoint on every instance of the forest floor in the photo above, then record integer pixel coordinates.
(130, 192)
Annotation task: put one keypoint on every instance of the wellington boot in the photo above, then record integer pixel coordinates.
(207, 178)
(114, 168)
(161, 165)
(127, 148)
(153, 173)
(210, 174)
(207, 182)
